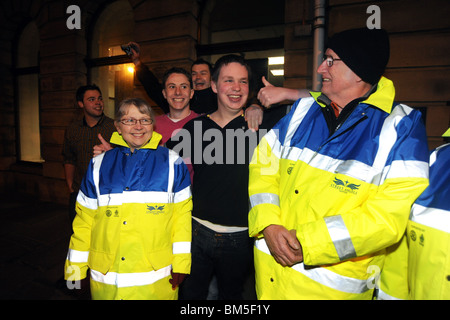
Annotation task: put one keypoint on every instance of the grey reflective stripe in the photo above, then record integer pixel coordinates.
(97, 163)
(433, 156)
(340, 237)
(173, 157)
(299, 114)
(181, 247)
(85, 201)
(431, 217)
(388, 137)
(182, 195)
(324, 276)
(376, 173)
(121, 280)
(333, 280)
(76, 256)
(261, 198)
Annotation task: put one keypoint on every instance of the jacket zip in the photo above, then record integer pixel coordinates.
(335, 135)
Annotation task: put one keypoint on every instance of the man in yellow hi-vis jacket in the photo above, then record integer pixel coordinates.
(419, 266)
(331, 185)
(133, 223)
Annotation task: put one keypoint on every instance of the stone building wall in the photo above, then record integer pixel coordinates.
(168, 31)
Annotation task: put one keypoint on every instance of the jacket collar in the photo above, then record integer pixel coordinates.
(382, 98)
(117, 139)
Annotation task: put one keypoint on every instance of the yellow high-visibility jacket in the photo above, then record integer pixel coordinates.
(133, 223)
(347, 195)
(419, 268)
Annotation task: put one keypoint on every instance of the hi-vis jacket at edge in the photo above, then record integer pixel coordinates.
(419, 266)
(133, 223)
(347, 195)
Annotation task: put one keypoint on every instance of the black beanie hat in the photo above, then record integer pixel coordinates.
(365, 51)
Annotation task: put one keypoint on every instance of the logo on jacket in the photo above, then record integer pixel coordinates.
(155, 209)
(345, 186)
(414, 237)
(109, 213)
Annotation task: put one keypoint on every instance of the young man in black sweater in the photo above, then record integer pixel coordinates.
(219, 146)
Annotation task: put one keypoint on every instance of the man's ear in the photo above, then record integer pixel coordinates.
(213, 86)
(80, 104)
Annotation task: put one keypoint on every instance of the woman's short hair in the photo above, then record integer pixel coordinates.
(141, 104)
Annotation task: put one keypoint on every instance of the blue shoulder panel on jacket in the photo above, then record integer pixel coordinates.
(144, 170)
(438, 192)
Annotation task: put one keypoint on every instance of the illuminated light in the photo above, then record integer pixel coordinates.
(130, 69)
(277, 72)
(276, 60)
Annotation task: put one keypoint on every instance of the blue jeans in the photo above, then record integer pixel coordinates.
(228, 256)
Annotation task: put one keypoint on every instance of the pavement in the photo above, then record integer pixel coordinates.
(34, 238)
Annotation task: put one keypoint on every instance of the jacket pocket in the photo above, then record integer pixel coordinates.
(100, 261)
(160, 258)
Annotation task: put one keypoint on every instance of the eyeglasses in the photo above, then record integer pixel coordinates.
(330, 60)
(132, 122)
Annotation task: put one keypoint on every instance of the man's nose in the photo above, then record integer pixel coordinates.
(322, 67)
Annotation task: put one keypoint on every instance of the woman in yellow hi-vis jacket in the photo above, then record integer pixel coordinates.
(133, 223)
(332, 184)
(418, 267)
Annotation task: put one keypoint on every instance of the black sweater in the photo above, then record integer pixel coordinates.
(220, 159)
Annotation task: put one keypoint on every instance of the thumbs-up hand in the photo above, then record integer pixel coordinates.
(102, 147)
(266, 83)
(267, 95)
(270, 94)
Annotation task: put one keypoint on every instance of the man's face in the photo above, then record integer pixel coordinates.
(92, 103)
(201, 77)
(178, 91)
(339, 80)
(232, 86)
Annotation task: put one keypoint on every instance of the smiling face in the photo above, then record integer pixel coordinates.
(92, 104)
(201, 76)
(178, 91)
(232, 86)
(136, 135)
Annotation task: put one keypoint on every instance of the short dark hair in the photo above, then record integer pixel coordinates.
(176, 70)
(82, 90)
(202, 61)
(227, 59)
